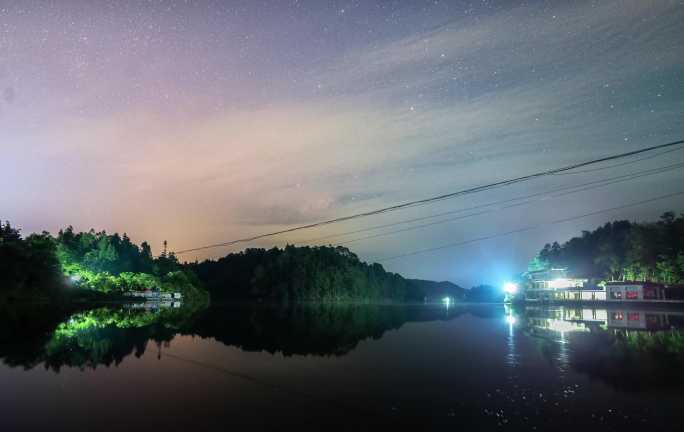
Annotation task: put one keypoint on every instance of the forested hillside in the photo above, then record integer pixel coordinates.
(43, 266)
(322, 273)
(623, 250)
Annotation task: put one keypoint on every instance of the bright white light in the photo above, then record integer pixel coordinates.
(559, 283)
(510, 288)
(564, 326)
(510, 319)
(446, 301)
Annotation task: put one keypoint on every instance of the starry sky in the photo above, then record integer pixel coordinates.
(204, 121)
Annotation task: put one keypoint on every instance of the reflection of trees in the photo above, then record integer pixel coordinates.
(106, 336)
(633, 361)
(625, 359)
(91, 347)
(25, 330)
(319, 329)
(90, 338)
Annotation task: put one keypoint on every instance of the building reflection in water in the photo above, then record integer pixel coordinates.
(559, 321)
(562, 327)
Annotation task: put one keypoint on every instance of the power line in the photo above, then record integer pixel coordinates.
(502, 208)
(572, 189)
(528, 228)
(480, 213)
(622, 164)
(438, 197)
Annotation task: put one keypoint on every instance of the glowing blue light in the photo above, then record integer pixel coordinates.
(510, 319)
(510, 288)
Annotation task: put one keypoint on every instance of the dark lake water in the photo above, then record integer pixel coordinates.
(469, 367)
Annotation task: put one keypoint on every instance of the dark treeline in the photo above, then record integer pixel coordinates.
(322, 273)
(624, 250)
(112, 265)
(28, 266)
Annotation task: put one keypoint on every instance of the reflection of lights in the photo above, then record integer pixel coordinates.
(564, 326)
(510, 288)
(512, 357)
(446, 301)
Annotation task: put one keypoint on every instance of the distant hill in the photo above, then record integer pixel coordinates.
(320, 273)
(436, 291)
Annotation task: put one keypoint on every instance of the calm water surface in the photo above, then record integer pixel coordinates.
(477, 367)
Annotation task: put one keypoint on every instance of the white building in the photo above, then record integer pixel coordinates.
(554, 285)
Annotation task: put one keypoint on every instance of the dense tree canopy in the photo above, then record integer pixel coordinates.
(624, 250)
(322, 273)
(112, 263)
(42, 265)
(28, 267)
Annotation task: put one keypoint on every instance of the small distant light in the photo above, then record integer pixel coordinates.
(446, 301)
(510, 288)
(510, 319)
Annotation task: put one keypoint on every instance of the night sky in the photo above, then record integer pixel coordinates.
(200, 122)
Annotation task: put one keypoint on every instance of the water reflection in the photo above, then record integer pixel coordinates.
(634, 349)
(606, 343)
(87, 338)
(107, 335)
(511, 321)
(561, 320)
(475, 366)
